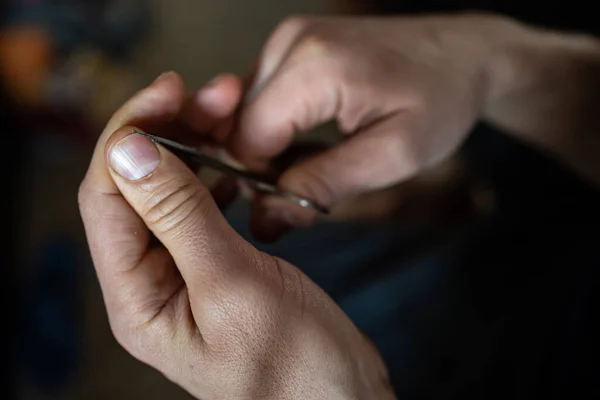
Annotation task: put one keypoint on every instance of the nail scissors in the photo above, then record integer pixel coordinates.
(258, 181)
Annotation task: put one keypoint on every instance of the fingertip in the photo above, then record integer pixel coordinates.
(221, 96)
(119, 135)
(274, 216)
(211, 109)
(168, 84)
(266, 126)
(257, 134)
(252, 146)
(167, 76)
(131, 155)
(158, 103)
(232, 81)
(162, 101)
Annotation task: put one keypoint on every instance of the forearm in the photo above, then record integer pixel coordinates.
(545, 89)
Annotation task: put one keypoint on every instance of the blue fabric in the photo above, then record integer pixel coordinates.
(50, 343)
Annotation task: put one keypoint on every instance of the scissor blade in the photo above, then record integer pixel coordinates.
(260, 182)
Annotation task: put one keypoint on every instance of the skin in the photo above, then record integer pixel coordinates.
(205, 308)
(411, 100)
(188, 296)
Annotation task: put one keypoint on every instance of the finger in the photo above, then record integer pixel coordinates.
(300, 96)
(117, 237)
(204, 112)
(180, 212)
(159, 103)
(383, 155)
(211, 109)
(275, 51)
(210, 113)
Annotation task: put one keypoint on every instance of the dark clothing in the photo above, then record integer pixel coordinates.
(498, 308)
(532, 272)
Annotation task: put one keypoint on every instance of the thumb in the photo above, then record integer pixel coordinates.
(178, 209)
(375, 158)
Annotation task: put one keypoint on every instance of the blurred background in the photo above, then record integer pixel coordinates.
(67, 65)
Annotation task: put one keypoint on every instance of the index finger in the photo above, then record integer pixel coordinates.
(302, 94)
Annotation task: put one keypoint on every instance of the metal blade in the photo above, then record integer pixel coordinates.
(258, 181)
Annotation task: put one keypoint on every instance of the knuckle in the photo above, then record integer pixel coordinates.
(323, 57)
(402, 154)
(173, 202)
(314, 44)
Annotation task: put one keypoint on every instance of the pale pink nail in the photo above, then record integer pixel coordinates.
(210, 95)
(134, 157)
(163, 76)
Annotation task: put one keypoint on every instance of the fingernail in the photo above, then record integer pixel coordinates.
(209, 96)
(162, 77)
(134, 157)
(213, 82)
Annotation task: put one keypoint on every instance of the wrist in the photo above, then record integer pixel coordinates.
(487, 48)
(543, 88)
(525, 60)
(494, 43)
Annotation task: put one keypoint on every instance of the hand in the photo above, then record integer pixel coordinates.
(203, 306)
(406, 90)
